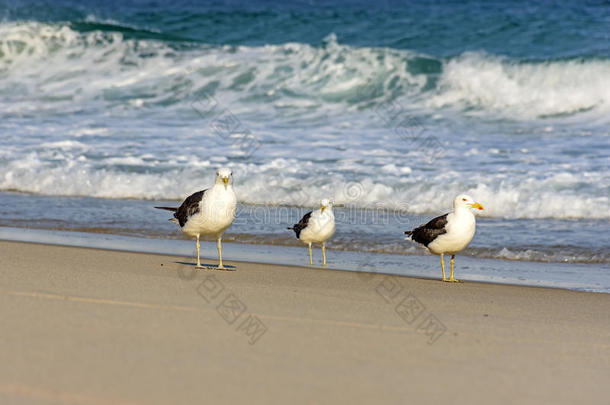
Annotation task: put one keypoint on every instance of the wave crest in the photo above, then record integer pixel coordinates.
(45, 59)
(523, 90)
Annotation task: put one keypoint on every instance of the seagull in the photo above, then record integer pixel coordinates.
(316, 227)
(449, 233)
(208, 212)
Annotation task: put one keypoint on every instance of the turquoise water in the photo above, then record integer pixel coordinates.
(390, 109)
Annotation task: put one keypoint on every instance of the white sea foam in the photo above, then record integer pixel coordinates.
(53, 66)
(524, 90)
(123, 124)
(276, 183)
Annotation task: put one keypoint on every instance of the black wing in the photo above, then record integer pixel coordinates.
(302, 224)
(172, 209)
(425, 234)
(189, 207)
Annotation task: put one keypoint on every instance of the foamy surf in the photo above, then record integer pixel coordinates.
(149, 178)
(107, 106)
(360, 94)
(524, 90)
(99, 108)
(50, 65)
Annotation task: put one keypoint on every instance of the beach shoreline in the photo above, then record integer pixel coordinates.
(424, 266)
(102, 326)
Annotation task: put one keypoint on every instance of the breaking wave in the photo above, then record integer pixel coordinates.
(132, 130)
(54, 67)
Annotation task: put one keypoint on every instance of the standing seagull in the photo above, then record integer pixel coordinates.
(448, 233)
(316, 227)
(208, 212)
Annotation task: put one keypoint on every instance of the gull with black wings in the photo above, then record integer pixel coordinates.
(316, 227)
(208, 212)
(449, 233)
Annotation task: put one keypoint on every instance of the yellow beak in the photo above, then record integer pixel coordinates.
(323, 208)
(225, 180)
(477, 206)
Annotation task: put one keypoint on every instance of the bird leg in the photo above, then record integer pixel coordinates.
(451, 279)
(443, 267)
(310, 257)
(220, 266)
(199, 266)
(323, 254)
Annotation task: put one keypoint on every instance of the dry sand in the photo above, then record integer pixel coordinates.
(85, 326)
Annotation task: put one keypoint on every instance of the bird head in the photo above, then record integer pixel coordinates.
(224, 176)
(466, 201)
(325, 203)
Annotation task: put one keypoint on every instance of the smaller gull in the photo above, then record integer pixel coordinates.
(449, 233)
(208, 212)
(316, 227)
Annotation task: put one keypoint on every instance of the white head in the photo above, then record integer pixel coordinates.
(465, 201)
(224, 176)
(326, 204)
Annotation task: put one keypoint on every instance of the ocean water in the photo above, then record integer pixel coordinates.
(390, 109)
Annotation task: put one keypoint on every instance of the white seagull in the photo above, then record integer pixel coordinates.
(316, 227)
(208, 212)
(449, 233)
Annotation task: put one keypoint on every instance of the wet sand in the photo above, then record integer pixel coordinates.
(86, 326)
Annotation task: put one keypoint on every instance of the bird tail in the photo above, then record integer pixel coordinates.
(409, 235)
(291, 228)
(172, 209)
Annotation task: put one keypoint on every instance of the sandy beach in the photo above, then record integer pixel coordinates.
(86, 326)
